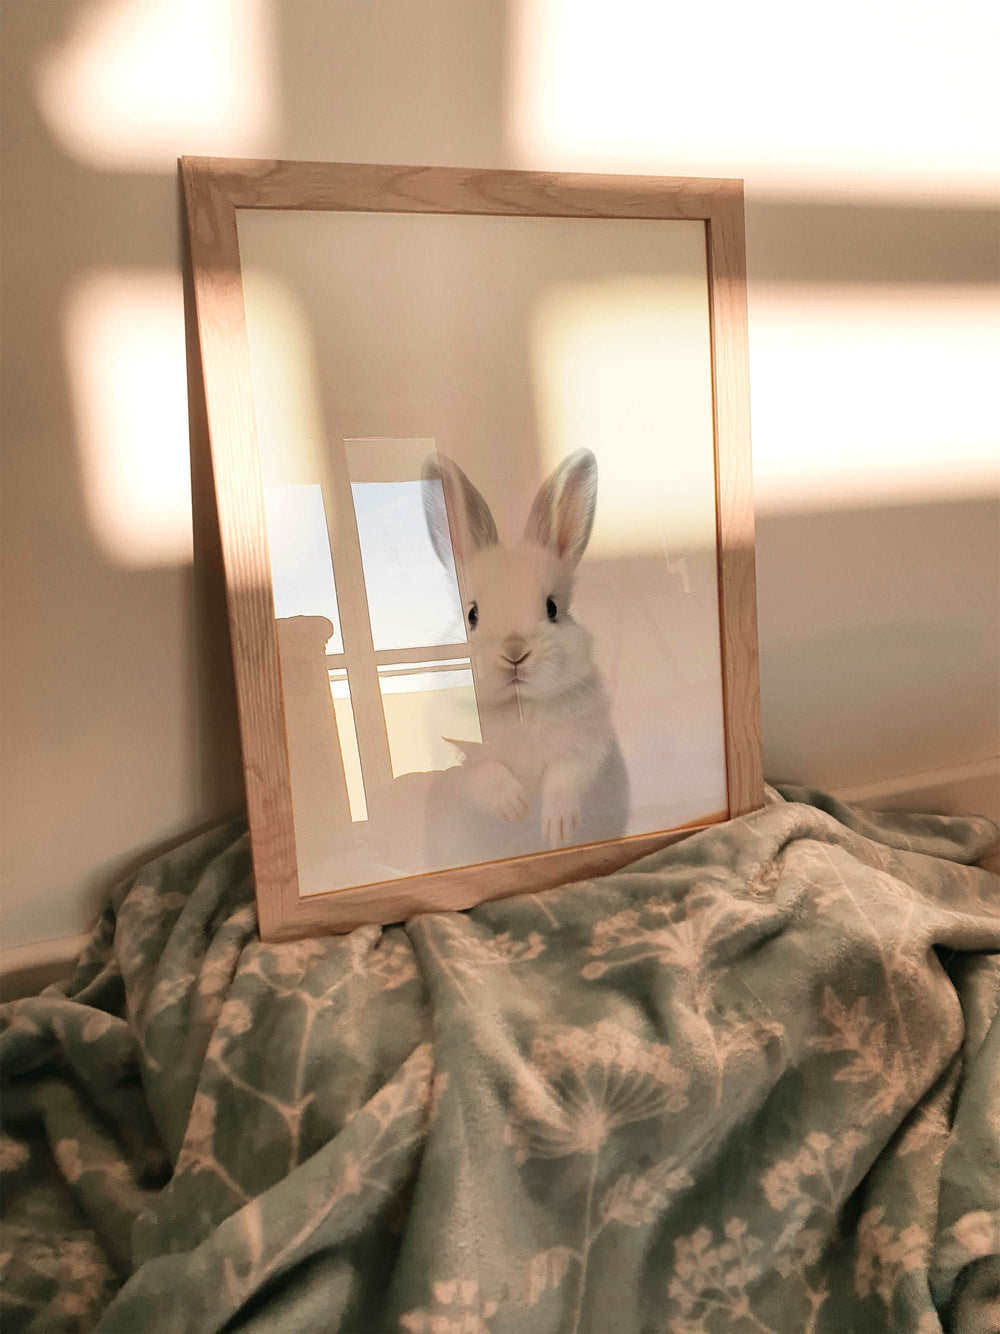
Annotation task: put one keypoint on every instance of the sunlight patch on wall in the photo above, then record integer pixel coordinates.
(125, 355)
(137, 82)
(872, 395)
(623, 367)
(733, 89)
(285, 381)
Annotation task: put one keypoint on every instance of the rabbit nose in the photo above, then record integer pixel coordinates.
(515, 650)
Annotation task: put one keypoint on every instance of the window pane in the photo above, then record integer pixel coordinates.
(344, 714)
(412, 599)
(424, 703)
(301, 568)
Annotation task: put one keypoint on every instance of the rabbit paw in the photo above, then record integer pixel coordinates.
(497, 791)
(560, 816)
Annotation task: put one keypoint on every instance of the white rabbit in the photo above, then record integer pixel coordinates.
(544, 711)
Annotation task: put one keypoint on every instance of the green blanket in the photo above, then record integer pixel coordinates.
(749, 1084)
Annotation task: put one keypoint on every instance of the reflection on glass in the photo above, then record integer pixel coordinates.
(344, 713)
(425, 703)
(412, 600)
(301, 568)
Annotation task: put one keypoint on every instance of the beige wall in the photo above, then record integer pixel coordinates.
(878, 588)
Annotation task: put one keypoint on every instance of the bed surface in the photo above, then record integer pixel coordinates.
(751, 1083)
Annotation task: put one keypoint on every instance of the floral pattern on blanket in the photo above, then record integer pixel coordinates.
(749, 1084)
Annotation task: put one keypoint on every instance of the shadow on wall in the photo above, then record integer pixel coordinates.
(119, 715)
(878, 631)
(884, 622)
(120, 732)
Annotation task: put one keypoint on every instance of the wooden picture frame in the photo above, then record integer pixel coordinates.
(214, 189)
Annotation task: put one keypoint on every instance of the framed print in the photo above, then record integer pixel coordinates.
(482, 464)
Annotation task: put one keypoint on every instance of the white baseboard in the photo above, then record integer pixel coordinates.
(966, 789)
(26, 969)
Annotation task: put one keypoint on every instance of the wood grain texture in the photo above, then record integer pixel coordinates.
(225, 358)
(214, 188)
(366, 188)
(734, 503)
(450, 891)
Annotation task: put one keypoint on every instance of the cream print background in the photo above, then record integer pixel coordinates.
(506, 344)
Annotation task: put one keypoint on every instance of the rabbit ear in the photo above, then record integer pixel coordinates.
(563, 513)
(458, 518)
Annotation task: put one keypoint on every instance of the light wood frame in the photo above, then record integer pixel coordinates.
(214, 189)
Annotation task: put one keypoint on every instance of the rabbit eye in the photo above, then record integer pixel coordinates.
(473, 616)
(551, 610)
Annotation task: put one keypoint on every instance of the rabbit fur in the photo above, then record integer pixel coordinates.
(544, 711)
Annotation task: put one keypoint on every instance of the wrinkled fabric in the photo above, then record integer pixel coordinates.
(750, 1083)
